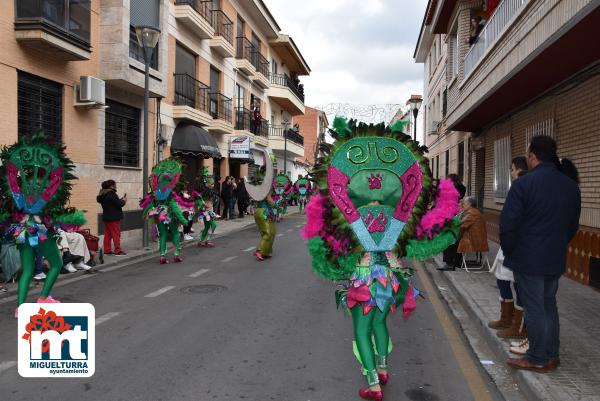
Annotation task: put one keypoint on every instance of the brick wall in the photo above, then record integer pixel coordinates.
(575, 111)
(309, 128)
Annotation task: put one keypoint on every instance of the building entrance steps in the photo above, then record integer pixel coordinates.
(578, 377)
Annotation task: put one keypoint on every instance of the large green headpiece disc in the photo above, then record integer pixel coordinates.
(35, 174)
(375, 182)
(165, 176)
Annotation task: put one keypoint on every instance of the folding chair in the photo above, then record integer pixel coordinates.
(480, 261)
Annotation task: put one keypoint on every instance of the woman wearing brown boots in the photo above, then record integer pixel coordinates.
(511, 323)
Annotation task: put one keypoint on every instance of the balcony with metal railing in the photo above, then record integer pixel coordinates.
(222, 42)
(261, 77)
(245, 55)
(191, 99)
(500, 20)
(196, 15)
(282, 139)
(243, 119)
(220, 107)
(285, 92)
(62, 27)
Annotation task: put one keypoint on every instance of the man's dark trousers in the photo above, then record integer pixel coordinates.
(538, 296)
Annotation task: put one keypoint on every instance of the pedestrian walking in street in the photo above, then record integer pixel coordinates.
(112, 214)
(511, 323)
(356, 232)
(539, 218)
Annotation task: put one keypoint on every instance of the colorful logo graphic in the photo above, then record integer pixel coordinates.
(56, 340)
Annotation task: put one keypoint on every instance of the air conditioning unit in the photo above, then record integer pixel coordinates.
(90, 92)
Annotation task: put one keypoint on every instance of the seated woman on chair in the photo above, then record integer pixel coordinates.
(473, 234)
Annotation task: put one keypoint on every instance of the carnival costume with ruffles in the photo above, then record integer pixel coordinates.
(302, 191)
(374, 188)
(260, 189)
(36, 175)
(162, 206)
(282, 192)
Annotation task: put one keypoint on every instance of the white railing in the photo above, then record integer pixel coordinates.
(503, 14)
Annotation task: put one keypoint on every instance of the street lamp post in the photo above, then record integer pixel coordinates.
(415, 105)
(147, 38)
(285, 129)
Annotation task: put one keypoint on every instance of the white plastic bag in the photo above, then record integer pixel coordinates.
(500, 271)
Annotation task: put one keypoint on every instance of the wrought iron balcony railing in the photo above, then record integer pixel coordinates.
(220, 106)
(223, 25)
(262, 65)
(290, 134)
(284, 80)
(191, 92)
(202, 7)
(245, 49)
(243, 119)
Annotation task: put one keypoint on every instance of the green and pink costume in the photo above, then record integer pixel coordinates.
(37, 176)
(374, 187)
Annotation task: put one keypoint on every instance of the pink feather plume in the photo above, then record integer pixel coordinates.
(446, 207)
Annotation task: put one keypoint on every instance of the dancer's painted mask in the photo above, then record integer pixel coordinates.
(303, 185)
(375, 182)
(164, 177)
(34, 175)
(281, 184)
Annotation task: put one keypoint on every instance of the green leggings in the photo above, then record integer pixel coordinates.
(166, 230)
(267, 232)
(373, 324)
(209, 229)
(50, 251)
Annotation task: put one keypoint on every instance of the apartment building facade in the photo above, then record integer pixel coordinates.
(448, 149)
(527, 72)
(233, 80)
(313, 125)
(223, 85)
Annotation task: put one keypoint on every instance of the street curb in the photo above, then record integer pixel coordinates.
(525, 380)
(129, 261)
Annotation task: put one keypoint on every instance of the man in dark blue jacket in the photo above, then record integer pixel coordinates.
(539, 218)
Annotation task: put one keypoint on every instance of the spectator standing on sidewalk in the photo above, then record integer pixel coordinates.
(242, 197)
(112, 214)
(510, 324)
(539, 218)
(228, 199)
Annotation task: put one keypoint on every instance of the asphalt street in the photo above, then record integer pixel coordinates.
(223, 326)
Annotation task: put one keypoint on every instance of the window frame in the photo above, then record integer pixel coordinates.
(502, 161)
(131, 115)
(46, 91)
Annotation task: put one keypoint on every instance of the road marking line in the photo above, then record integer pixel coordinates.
(199, 273)
(461, 354)
(280, 235)
(289, 230)
(159, 292)
(299, 225)
(248, 249)
(7, 365)
(229, 259)
(106, 317)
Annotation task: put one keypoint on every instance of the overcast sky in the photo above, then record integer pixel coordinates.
(360, 51)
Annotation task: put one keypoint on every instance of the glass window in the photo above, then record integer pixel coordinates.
(39, 106)
(502, 161)
(122, 135)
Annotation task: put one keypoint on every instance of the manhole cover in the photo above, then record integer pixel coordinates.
(203, 289)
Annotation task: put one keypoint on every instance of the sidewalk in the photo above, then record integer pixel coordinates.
(578, 377)
(135, 252)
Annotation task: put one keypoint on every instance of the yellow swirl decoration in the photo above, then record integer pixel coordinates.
(386, 154)
(389, 154)
(357, 154)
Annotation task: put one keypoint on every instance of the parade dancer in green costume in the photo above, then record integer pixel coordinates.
(302, 190)
(374, 188)
(260, 190)
(37, 176)
(282, 191)
(162, 206)
(205, 210)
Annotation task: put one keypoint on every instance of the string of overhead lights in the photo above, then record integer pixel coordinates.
(367, 113)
